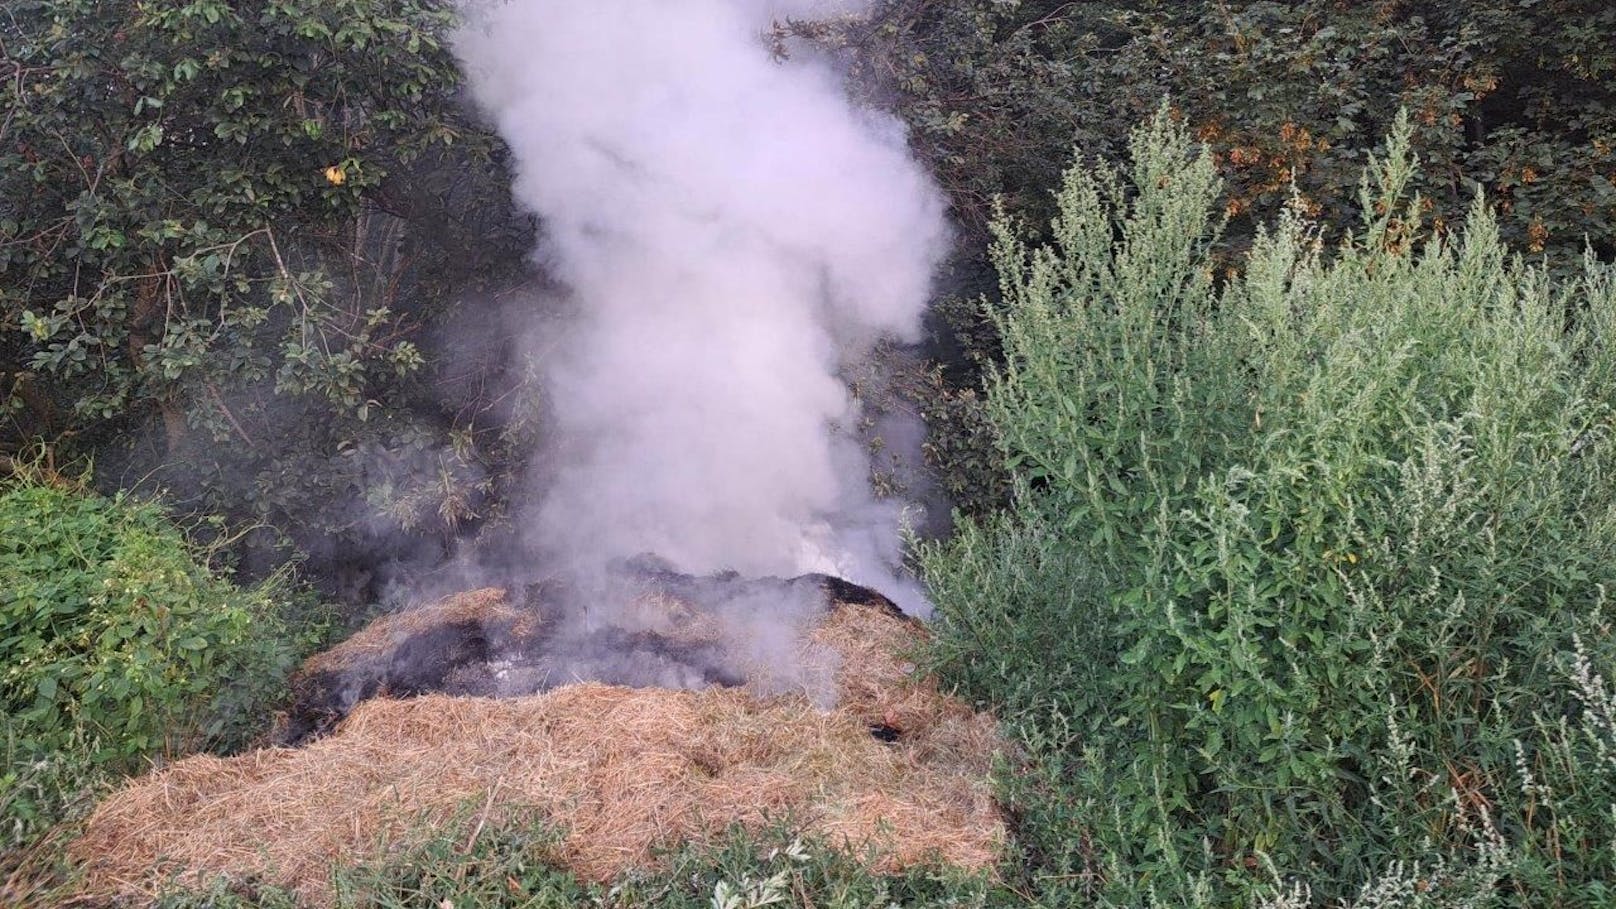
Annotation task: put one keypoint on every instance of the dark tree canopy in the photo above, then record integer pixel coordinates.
(1515, 97)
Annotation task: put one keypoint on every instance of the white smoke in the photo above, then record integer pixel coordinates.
(732, 231)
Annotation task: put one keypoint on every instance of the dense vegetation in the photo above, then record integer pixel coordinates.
(1285, 463)
(1513, 97)
(505, 868)
(1517, 99)
(1306, 580)
(119, 646)
(231, 239)
(228, 233)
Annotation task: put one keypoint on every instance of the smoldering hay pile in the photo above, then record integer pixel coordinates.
(896, 770)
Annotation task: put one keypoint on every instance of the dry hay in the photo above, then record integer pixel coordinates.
(407, 653)
(624, 773)
(487, 608)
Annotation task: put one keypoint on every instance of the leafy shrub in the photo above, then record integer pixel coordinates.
(118, 646)
(1305, 586)
(202, 197)
(238, 249)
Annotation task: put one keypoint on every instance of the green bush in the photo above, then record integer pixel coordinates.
(119, 647)
(1304, 592)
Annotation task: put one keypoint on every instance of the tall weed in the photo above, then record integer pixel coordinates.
(1303, 594)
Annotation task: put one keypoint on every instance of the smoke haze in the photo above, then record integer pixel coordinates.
(732, 232)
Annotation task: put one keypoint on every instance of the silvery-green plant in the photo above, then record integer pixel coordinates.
(1306, 560)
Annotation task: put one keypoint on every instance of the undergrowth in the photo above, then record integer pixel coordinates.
(1303, 598)
(119, 647)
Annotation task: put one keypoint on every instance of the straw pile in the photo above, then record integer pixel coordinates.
(486, 610)
(624, 773)
(416, 651)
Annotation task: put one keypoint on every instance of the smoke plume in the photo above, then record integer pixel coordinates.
(733, 233)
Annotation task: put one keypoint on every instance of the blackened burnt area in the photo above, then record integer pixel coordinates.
(652, 575)
(459, 659)
(885, 734)
(644, 659)
(422, 662)
(613, 656)
(320, 700)
(471, 660)
(845, 593)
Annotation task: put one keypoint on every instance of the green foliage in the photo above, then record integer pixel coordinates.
(41, 786)
(514, 867)
(167, 166)
(118, 646)
(226, 232)
(1305, 582)
(1516, 97)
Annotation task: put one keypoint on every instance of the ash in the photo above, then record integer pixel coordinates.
(640, 624)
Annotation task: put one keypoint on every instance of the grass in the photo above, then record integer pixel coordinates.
(512, 868)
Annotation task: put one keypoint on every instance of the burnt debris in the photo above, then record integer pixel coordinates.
(482, 644)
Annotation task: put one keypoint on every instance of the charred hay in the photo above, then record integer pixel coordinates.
(480, 644)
